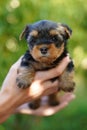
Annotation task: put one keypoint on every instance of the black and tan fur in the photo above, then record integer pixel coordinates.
(47, 43)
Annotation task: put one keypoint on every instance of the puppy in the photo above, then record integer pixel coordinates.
(47, 42)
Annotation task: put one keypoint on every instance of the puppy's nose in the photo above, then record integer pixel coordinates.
(43, 50)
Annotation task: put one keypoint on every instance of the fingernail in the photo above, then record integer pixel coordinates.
(68, 59)
(73, 96)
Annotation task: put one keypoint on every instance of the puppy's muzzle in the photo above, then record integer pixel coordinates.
(43, 50)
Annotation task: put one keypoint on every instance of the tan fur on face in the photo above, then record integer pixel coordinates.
(53, 32)
(52, 54)
(34, 33)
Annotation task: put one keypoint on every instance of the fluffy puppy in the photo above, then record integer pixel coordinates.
(47, 42)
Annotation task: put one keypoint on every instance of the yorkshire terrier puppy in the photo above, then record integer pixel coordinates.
(47, 42)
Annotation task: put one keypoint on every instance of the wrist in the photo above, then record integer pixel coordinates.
(5, 103)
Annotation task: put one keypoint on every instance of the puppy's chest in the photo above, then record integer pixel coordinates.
(42, 66)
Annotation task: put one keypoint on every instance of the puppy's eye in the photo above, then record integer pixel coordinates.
(33, 39)
(55, 38)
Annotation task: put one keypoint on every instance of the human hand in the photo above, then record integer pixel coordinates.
(41, 86)
(45, 109)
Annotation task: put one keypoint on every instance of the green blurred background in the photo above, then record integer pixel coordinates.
(14, 15)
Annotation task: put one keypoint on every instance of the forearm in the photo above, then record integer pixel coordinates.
(7, 106)
(5, 102)
(3, 118)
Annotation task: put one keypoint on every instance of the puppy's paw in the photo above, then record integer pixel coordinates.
(33, 105)
(21, 83)
(25, 77)
(54, 103)
(69, 88)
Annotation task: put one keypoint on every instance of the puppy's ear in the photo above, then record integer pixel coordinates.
(65, 30)
(24, 33)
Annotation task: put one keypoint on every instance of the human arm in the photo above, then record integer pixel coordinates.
(11, 97)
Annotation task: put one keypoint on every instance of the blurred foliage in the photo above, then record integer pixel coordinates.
(14, 15)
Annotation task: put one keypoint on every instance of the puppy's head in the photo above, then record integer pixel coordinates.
(46, 40)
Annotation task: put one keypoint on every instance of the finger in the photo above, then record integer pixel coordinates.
(49, 84)
(67, 97)
(51, 110)
(45, 75)
(50, 87)
(42, 111)
(37, 90)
